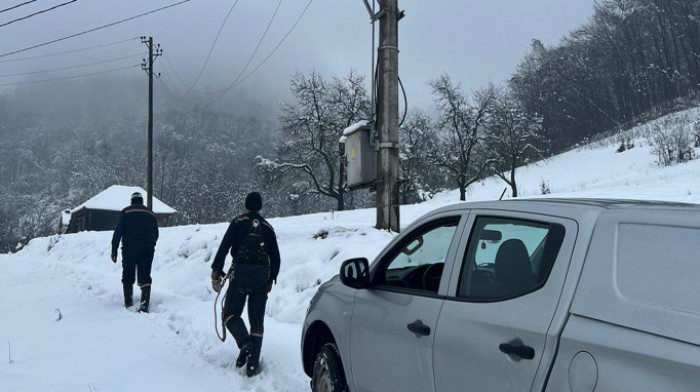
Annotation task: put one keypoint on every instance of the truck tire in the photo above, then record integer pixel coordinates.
(328, 375)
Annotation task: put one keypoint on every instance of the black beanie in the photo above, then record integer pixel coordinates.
(253, 201)
(136, 198)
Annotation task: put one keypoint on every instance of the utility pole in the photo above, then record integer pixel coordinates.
(388, 116)
(341, 174)
(147, 66)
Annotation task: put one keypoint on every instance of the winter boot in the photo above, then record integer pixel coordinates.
(128, 295)
(253, 363)
(145, 298)
(243, 355)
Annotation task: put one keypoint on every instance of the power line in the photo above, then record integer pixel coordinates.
(250, 58)
(169, 92)
(172, 67)
(38, 13)
(252, 55)
(211, 49)
(73, 67)
(16, 6)
(267, 57)
(278, 44)
(95, 29)
(70, 77)
(68, 51)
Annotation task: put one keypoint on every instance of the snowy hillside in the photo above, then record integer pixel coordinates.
(97, 345)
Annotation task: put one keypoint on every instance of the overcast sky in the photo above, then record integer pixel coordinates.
(475, 41)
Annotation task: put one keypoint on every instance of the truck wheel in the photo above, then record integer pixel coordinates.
(328, 373)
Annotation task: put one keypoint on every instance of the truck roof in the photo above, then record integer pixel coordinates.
(572, 207)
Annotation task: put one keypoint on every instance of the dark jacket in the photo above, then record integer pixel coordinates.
(136, 227)
(237, 231)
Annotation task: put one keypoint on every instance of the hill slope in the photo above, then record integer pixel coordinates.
(97, 345)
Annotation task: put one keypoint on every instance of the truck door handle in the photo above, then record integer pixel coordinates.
(522, 351)
(419, 328)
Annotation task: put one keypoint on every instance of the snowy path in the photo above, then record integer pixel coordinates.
(100, 346)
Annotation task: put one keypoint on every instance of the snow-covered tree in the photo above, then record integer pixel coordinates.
(416, 174)
(513, 139)
(459, 146)
(312, 126)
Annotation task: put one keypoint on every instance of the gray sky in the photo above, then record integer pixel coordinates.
(475, 41)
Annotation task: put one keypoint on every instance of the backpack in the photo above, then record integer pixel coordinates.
(251, 264)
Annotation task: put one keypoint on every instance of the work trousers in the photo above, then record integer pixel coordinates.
(137, 259)
(233, 308)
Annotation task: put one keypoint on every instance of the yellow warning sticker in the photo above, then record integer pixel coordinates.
(352, 154)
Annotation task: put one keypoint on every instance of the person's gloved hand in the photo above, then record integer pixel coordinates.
(217, 280)
(114, 257)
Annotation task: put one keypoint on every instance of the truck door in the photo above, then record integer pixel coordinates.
(492, 333)
(393, 322)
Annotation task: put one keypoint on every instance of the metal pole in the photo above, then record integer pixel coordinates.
(388, 118)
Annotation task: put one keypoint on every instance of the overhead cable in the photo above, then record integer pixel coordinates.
(37, 13)
(266, 58)
(16, 6)
(169, 92)
(67, 51)
(250, 58)
(211, 49)
(73, 67)
(70, 77)
(172, 68)
(94, 29)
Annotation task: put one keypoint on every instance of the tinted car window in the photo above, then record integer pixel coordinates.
(507, 258)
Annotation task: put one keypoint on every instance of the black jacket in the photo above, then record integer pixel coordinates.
(136, 227)
(237, 231)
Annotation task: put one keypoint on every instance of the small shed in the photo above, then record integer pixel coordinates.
(100, 213)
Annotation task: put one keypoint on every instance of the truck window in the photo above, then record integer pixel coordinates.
(507, 258)
(417, 262)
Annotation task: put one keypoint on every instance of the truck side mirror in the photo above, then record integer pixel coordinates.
(355, 273)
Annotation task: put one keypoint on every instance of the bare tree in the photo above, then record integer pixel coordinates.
(459, 146)
(312, 127)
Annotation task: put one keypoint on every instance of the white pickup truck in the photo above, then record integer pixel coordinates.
(526, 295)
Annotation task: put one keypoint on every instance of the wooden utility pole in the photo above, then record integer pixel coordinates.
(148, 67)
(341, 175)
(388, 116)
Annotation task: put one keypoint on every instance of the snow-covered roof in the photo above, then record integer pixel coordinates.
(116, 197)
(355, 127)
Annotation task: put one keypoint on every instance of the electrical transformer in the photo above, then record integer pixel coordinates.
(360, 155)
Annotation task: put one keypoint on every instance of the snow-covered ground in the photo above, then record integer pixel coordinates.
(97, 345)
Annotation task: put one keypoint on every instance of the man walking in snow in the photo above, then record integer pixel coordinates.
(137, 229)
(255, 265)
